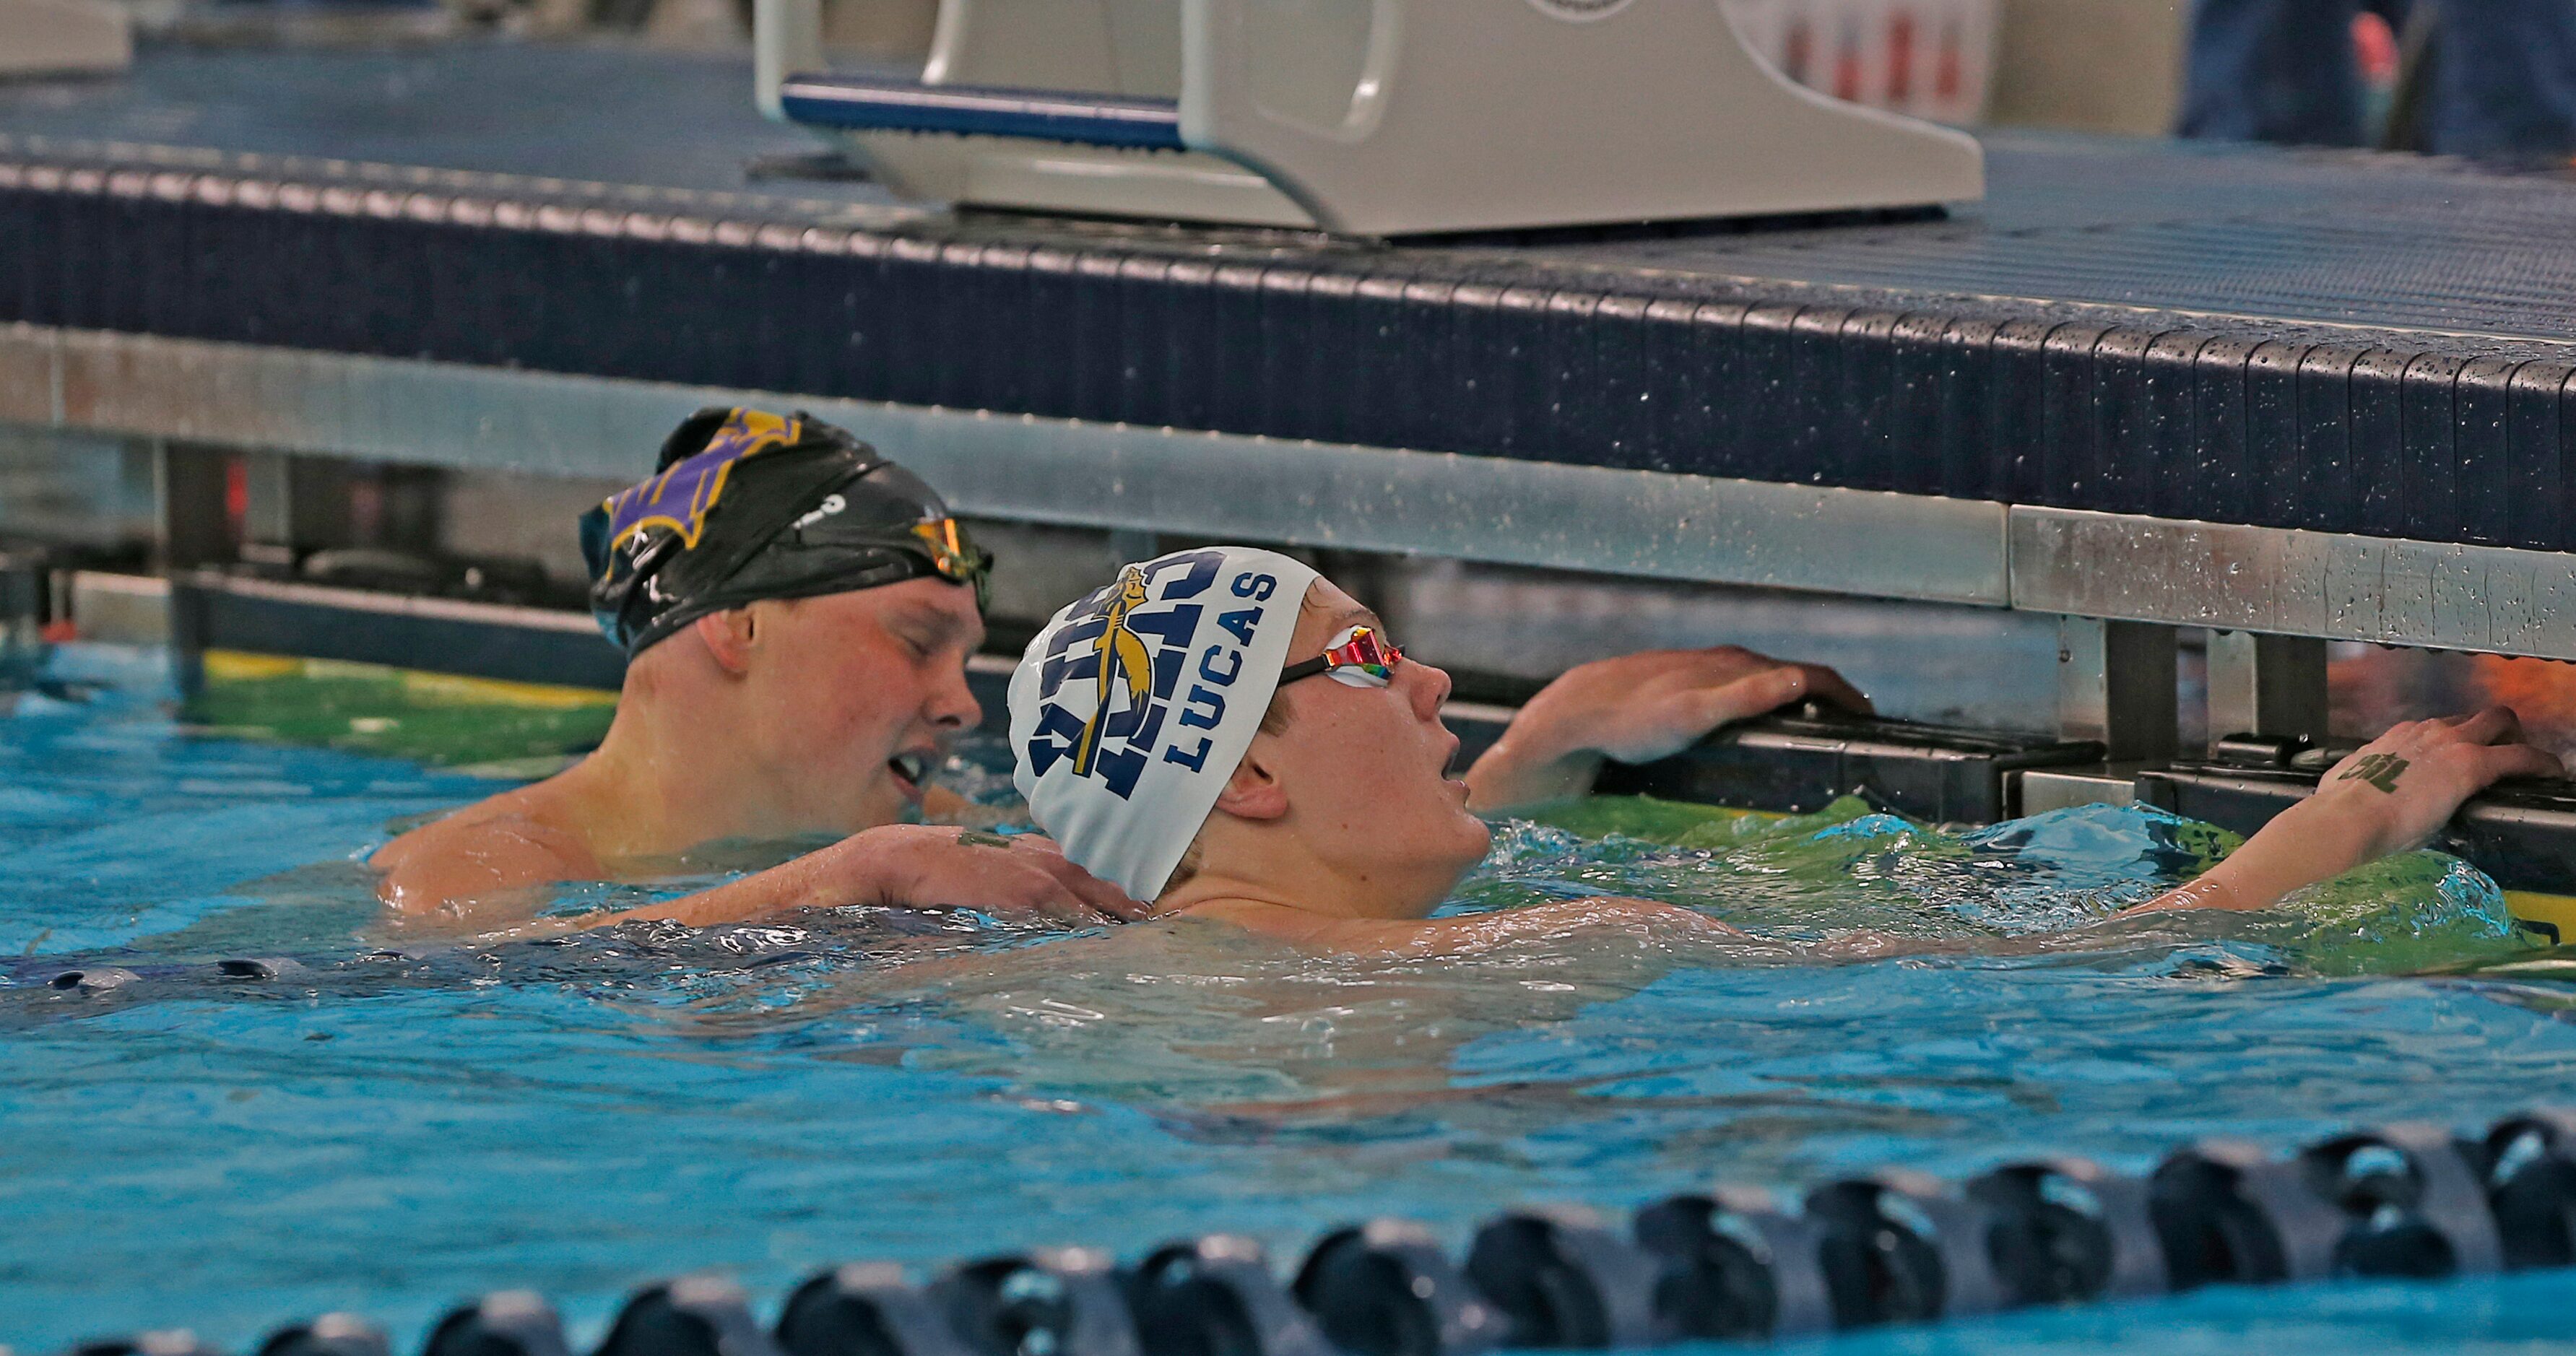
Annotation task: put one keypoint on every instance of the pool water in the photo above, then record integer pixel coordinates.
(398, 1121)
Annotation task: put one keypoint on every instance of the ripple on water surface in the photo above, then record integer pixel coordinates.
(399, 1121)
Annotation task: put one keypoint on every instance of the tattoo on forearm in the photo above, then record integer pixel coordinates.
(2379, 769)
(979, 838)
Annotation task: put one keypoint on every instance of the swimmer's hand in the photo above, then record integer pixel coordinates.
(910, 866)
(923, 866)
(1635, 709)
(2390, 797)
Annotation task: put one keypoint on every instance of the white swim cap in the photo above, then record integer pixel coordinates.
(1134, 705)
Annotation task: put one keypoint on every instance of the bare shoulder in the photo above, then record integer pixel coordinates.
(1294, 926)
(1464, 934)
(1308, 931)
(516, 841)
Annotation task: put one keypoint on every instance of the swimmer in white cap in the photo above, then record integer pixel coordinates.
(1227, 734)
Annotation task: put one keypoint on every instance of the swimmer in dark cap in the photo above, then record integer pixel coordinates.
(797, 612)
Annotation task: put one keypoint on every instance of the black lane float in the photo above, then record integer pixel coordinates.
(2409, 1201)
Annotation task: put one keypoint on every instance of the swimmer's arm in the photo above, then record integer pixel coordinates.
(906, 866)
(473, 863)
(2389, 797)
(1411, 937)
(1635, 709)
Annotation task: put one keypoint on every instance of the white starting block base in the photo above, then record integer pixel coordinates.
(1080, 180)
(64, 37)
(1368, 117)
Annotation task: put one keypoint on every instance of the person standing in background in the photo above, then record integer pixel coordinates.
(2501, 81)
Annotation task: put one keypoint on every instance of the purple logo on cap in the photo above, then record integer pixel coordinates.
(681, 497)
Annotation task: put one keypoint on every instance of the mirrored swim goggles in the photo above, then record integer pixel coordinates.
(1358, 657)
(957, 560)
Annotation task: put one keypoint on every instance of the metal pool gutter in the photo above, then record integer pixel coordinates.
(2070, 562)
(1032, 469)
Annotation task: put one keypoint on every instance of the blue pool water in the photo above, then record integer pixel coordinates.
(404, 1122)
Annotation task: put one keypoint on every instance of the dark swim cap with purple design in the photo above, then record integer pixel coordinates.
(747, 505)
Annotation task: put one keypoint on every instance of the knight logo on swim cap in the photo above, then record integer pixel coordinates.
(1134, 705)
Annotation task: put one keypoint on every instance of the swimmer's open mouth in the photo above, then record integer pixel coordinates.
(910, 771)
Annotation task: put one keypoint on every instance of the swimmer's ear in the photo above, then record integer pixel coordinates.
(728, 636)
(1253, 792)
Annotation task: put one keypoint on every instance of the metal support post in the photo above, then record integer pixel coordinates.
(2115, 685)
(188, 486)
(400, 508)
(23, 580)
(187, 640)
(188, 501)
(2266, 685)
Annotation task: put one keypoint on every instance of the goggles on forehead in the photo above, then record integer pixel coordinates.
(1358, 657)
(958, 560)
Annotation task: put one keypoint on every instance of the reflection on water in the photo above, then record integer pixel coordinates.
(387, 1121)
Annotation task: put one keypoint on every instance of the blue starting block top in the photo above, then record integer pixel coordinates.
(2346, 343)
(859, 103)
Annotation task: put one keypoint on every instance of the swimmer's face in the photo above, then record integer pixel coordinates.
(855, 695)
(1366, 768)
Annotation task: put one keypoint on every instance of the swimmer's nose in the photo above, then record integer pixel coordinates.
(952, 706)
(1430, 690)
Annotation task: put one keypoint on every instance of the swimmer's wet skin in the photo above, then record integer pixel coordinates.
(1319, 812)
(798, 612)
(1295, 783)
(1134, 744)
(2392, 795)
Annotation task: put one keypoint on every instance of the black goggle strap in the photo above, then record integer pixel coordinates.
(1305, 669)
(1360, 647)
(621, 624)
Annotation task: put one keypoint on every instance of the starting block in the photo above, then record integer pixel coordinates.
(1366, 117)
(64, 37)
